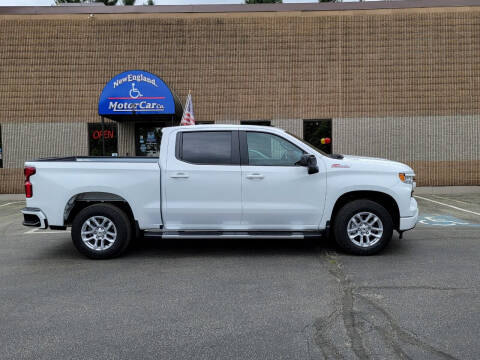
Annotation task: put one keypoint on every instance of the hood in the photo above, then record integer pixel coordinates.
(372, 163)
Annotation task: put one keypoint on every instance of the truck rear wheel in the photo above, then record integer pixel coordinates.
(101, 231)
(363, 227)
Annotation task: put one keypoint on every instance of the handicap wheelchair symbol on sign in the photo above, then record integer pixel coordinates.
(436, 220)
(134, 92)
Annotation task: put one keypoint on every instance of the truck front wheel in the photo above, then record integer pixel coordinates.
(101, 231)
(363, 227)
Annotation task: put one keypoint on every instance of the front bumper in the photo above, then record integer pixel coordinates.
(34, 217)
(409, 222)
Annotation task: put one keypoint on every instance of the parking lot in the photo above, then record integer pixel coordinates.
(240, 299)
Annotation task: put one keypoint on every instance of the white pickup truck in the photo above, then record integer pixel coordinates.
(226, 181)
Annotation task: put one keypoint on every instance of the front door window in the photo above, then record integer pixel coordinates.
(270, 150)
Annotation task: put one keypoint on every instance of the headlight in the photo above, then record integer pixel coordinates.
(407, 178)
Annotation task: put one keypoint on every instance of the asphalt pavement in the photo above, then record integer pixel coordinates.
(237, 299)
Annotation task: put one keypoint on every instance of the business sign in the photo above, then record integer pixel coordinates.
(136, 92)
(107, 134)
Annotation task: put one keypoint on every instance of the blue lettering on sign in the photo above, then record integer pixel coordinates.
(136, 92)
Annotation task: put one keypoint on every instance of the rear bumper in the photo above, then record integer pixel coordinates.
(34, 217)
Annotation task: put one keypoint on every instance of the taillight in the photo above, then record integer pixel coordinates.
(29, 171)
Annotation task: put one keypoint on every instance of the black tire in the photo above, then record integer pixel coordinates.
(119, 219)
(347, 212)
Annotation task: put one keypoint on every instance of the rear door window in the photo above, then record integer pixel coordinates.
(207, 147)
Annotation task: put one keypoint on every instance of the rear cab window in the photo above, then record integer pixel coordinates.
(208, 147)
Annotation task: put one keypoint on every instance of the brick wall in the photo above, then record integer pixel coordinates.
(376, 64)
(443, 150)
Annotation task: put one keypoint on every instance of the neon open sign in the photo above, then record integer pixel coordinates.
(107, 134)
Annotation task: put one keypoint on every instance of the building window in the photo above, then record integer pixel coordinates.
(319, 133)
(95, 139)
(1, 148)
(256, 122)
(148, 137)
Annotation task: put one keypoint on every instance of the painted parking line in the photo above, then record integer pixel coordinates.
(10, 203)
(444, 220)
(448, 205)
(449, 199)
(41, 231)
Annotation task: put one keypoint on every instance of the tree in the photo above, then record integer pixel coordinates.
(128, 2)
(106, 2)
(150, 2)
(57, 2)
(262, 1)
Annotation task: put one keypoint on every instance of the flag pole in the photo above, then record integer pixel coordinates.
(185, 108)
(190, 96)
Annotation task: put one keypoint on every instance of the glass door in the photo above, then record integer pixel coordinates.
(319, 133)
(148, 137)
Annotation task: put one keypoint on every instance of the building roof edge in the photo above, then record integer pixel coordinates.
(234, 8)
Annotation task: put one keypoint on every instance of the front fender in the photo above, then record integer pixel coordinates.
(340, 183)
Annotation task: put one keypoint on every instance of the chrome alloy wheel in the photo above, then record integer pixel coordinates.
(365, 229)
(98, 233)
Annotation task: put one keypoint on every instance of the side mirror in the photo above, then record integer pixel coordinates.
(309, 161)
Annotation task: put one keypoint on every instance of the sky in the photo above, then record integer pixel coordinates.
(140, 2)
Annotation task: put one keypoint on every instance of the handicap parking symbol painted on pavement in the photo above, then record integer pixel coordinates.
(443, 220)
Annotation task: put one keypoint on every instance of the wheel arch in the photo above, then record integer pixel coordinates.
(384, 199)
(81, 200)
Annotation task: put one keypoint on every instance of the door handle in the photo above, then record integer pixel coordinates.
(255, 176)
(179, 175)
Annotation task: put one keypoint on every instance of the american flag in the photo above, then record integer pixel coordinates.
(188, 118)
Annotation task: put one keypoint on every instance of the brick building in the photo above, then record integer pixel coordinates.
(399, 80)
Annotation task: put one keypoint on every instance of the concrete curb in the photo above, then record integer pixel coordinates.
(445, 190)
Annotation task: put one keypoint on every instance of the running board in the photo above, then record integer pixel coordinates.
(232, 234)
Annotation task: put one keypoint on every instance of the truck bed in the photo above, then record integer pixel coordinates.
(105, 159)
(60, 180)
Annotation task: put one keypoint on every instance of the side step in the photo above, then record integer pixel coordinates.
(232, 234)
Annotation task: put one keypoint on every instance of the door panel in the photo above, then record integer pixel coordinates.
(201, 195)
(277, 194)
(281, 198)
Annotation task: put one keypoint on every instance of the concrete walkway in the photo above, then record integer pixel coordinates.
(12, 197)
(444, 190)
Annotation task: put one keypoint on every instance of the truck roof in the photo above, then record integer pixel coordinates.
(223, 126)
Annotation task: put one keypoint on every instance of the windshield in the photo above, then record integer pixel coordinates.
(307, 143)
